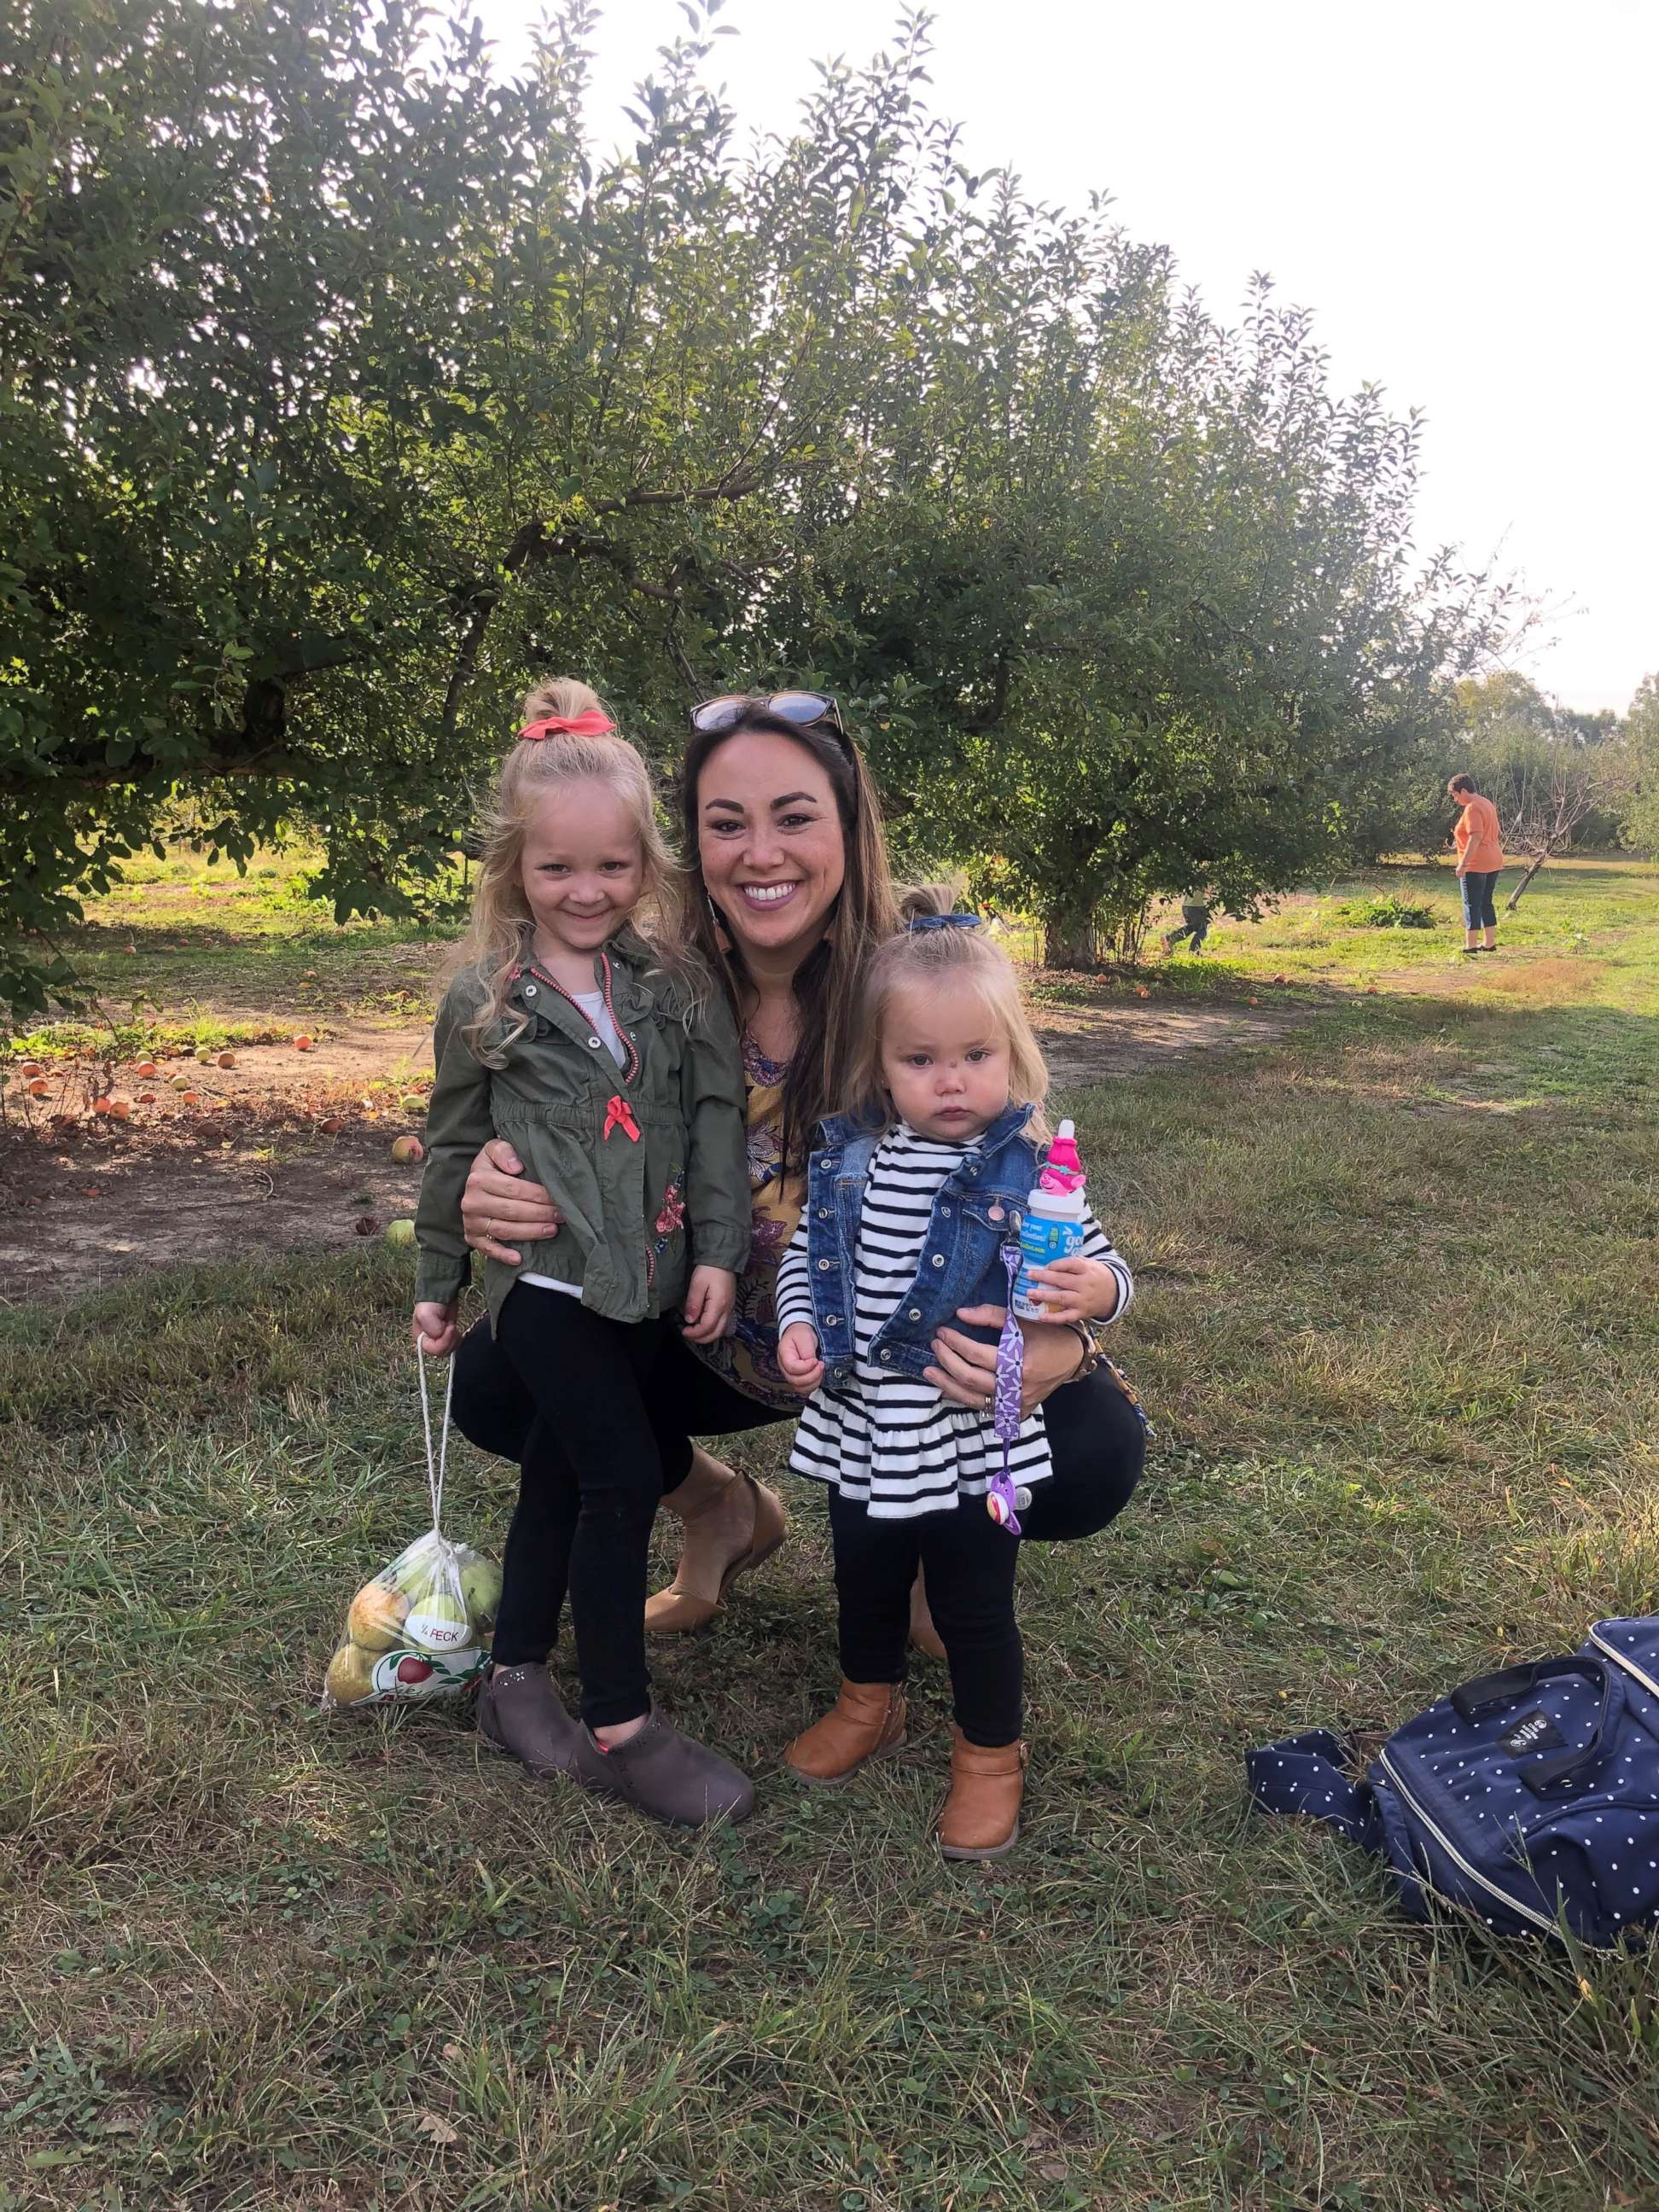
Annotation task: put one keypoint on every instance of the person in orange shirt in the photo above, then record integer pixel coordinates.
(1479, 863)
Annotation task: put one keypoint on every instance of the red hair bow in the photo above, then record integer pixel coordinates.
(593, 724)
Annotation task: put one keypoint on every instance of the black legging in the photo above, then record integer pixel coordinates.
(970, 1564)
(589, 1486)
(1095, 1436)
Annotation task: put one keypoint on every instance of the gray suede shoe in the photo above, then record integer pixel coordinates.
(520, 1713)
(664, 1775)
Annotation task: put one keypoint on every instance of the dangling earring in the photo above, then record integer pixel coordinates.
(722, 934)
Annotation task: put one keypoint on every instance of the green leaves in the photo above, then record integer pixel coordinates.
(344, 390)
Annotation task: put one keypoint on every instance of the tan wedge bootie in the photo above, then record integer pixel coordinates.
(865, 1722)
(981, 1820)
(732, 1524)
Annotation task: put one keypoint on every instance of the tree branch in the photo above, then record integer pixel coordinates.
(533, 543)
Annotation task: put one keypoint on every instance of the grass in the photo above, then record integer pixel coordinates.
(1397, 1328)
(180, 947)
(1587, 911)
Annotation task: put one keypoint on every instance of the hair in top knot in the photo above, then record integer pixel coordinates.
(530, 773)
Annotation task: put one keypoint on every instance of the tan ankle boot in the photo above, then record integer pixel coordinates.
(865, 1722)
(981, 1820)
(732, 1524)
(923, 1634)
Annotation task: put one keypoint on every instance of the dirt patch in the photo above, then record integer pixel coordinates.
(280, 1151)
(285, 1151)
(1099, 1034)
(75, 1221)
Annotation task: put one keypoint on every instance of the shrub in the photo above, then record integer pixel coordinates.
(1389, 912)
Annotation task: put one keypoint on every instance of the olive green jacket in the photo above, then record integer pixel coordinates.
(647, 1163)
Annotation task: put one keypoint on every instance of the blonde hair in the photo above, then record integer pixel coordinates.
(931, 959)
(495, 942)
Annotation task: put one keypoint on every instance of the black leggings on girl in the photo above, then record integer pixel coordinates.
(590, 1483)
(1097, 1438)
(969, 1564)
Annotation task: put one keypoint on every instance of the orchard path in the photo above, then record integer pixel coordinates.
(287, 1151)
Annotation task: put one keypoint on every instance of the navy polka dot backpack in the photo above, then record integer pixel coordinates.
(1531, 1798)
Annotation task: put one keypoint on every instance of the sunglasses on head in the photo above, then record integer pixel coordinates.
(801, 708)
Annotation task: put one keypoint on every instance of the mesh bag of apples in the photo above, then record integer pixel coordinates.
(419, 1629)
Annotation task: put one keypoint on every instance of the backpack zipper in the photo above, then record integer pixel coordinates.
(1629, 1665)
(1511, 1904)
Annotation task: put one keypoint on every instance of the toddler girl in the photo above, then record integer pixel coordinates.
(619, 1085)
(912, 1194)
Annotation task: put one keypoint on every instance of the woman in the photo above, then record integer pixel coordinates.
(786, 891)
(1479, 863)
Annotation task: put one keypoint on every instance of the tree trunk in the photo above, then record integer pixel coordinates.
(1069, 938)
(1513, 899)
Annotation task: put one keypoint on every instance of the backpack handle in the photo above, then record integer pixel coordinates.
(1471, 1700)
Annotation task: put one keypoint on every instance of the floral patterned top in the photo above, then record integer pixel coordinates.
(748, 1358)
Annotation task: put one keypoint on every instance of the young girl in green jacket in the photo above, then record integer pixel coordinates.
(619, 1082)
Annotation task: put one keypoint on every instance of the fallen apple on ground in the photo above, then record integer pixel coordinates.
(179, 1082)
(407, 1150)
(399, 1234)
(302, 1044)
(146, 1069)
(226, 1059)
(414, 1104)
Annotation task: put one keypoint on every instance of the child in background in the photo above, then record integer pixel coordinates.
(618, 1083)
(912, 1194)
(1194, 924)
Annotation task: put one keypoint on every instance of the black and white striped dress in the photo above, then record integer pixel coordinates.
(892, 1441)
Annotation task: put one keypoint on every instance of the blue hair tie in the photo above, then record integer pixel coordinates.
(945, 921)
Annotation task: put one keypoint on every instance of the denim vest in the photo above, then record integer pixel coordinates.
(978, 1209)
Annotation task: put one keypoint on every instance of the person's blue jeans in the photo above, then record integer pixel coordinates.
(1479, 912)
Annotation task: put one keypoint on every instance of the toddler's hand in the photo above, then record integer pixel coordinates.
(434, 1327)
(1076, 1290)
(798, 1356)
(710, 1298)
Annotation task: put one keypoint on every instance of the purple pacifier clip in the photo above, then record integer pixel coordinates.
(1005, 1415)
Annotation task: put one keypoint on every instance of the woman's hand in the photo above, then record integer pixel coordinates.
(499, 1203)
(434, 1327)
(967, 1369)
(710, 1298)
(798, 1356)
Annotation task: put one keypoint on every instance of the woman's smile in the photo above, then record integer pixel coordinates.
(769, 894)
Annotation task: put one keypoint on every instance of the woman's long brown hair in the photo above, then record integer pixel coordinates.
(829, 983)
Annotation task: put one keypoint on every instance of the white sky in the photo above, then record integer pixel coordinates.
(1466, 192)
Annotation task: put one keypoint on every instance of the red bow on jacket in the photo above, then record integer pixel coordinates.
(619, 1114)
